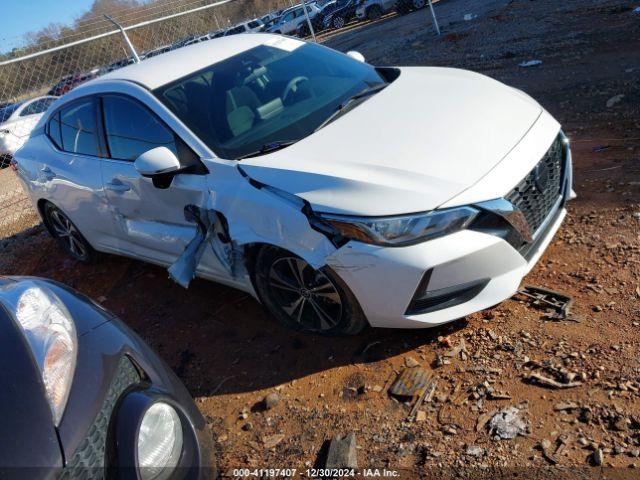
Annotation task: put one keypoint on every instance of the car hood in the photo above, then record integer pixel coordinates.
(428, 136)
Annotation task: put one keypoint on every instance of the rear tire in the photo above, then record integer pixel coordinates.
(303, 298)
(68, 235)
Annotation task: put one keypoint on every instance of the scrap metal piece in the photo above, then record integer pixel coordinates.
(545, 298)
(208, 231)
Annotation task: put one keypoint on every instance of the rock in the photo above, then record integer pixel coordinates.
(271, 400)
(410, 362)
(247, 427)
(507, 424)
(547, 451)
(597, 457)
(474, 451)
(421, 416)
(635, 453)
(271, 441)
(342, 452)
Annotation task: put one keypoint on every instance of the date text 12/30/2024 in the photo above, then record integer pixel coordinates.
(316, 472)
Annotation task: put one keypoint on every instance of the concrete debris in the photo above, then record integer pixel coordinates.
(507, 424)
(421, 416)
(549, 382)
(460, 350)
(342, 452)
(530, 63)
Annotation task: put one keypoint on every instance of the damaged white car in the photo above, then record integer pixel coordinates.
(338, 194)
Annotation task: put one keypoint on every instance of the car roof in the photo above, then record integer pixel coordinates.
(168, 67)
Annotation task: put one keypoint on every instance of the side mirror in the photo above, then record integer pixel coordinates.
(356, 55)
(158, 161)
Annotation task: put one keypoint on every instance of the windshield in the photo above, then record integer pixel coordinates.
(274, 93)
(7, 111)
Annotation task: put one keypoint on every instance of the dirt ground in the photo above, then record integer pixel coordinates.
(230, 354)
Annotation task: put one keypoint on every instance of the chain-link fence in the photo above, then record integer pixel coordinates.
(41, 66)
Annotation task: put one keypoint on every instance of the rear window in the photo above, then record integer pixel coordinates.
(73, 128)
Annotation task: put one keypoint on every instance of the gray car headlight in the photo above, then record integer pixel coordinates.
(51, 336)
(159, 441)
(404, 229)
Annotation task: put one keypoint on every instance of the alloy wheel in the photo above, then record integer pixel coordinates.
(66, 232)
(338, 22)
(418, 4)
(307, 296)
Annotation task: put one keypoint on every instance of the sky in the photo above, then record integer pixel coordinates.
(22, 16)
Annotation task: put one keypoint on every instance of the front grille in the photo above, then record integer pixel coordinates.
(539, 191)
(88, 461)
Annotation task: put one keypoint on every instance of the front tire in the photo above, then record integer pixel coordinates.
(338, 22)
(68, 235)
(303, 298)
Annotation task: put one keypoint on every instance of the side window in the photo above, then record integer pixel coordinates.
(288, 17)
(78, 128)
(131, 129)
(54, 130)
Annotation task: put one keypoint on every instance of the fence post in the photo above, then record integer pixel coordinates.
(126, 38)
(306, 13)
(435, 20)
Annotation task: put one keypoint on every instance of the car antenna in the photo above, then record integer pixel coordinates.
(132, 49)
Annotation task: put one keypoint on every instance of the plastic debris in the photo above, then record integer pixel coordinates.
(507, 424)
(530, 63)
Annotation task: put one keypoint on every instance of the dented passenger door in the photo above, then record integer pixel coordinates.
(148, 214)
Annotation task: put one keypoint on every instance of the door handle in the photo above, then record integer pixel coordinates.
(117, 186)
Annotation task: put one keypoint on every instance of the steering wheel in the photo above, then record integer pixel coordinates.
(293, 87)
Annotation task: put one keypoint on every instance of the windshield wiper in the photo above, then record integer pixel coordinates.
(349, 103)
(268, 148)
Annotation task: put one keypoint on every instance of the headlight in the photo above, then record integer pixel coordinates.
(159, 441)
(51, 335)
(402, 230)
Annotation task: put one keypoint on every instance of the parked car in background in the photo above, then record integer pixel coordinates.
(17, 120)
(374, 9)
(407, 6)
(267, 25)
(82, 394)
(291, 21)
(246, 27)
(69, 82)
(311, 178)
(339, 14)
(156, 51)
(116, 65)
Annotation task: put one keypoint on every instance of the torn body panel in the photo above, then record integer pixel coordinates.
(238, 213)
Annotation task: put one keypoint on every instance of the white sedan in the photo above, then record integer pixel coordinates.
(16, 122)
(338, 194)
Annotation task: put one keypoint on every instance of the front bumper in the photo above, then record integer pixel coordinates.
(455, 275)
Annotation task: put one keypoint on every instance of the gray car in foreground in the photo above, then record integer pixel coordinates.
(84, 397)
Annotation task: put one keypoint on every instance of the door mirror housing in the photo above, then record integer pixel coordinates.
(356, 56)
(156, 162)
